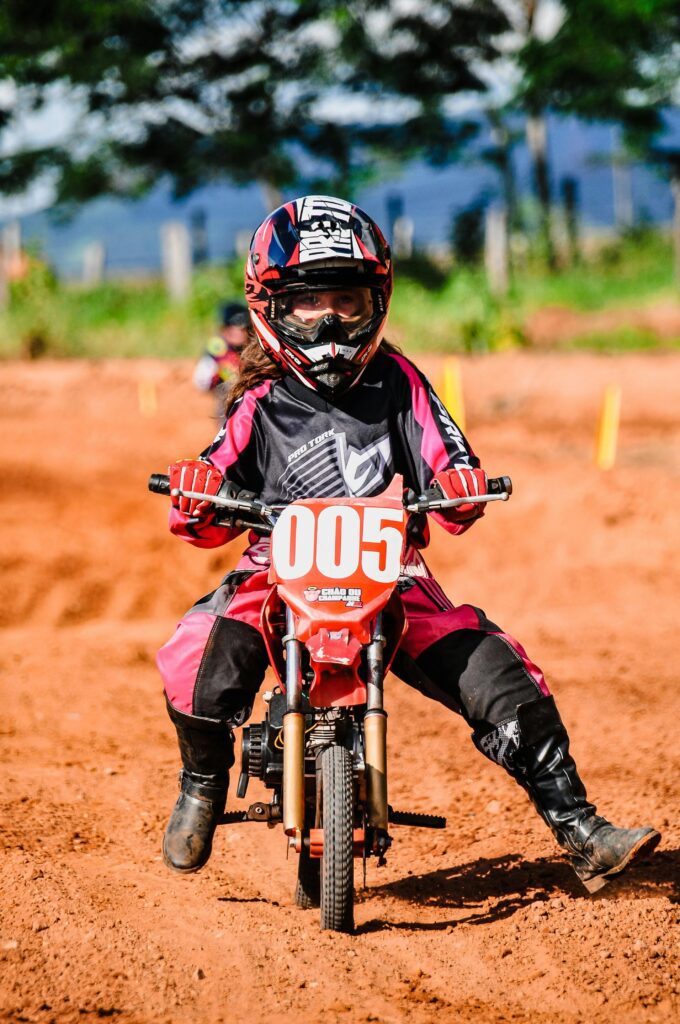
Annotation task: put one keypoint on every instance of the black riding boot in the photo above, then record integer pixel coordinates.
(206, 748)
(534, 749)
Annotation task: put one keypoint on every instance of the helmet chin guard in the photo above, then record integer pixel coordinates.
(319, 244)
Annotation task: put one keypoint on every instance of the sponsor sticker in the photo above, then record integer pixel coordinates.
(349, 596)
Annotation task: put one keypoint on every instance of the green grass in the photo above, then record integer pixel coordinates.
(629, 272)
(431, 309)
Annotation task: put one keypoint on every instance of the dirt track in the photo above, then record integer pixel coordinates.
(484, 922)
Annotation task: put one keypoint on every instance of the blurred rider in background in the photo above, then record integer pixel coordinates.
(219, 363)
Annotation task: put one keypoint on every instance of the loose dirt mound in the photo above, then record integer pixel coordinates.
(557, 325)
(484, 922)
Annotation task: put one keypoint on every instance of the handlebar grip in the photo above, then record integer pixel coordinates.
(499, 485)
(159, 483)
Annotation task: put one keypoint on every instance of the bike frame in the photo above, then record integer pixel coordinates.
(335, 566)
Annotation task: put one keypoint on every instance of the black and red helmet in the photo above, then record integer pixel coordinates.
(319, 244)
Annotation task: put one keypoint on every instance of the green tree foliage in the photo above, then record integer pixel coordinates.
(191, 89)
(202, 89)
(424, 54)
(107, 51)
(610, 60)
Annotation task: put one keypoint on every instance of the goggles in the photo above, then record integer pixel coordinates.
(303, 312)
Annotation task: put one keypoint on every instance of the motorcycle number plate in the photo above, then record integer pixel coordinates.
(338, 542)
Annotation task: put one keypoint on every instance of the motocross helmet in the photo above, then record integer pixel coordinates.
(233, 314)
(319, 245)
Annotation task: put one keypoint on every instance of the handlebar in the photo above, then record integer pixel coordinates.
(432, 500)
(159, 483)
(499, 489)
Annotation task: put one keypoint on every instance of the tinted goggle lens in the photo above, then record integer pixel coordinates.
(303, 310)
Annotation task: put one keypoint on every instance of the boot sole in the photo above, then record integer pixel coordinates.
(644, 847)
(183, 871)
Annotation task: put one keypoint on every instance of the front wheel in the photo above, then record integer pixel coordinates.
(337, 863)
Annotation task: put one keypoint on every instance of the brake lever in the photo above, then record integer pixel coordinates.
(435, 504)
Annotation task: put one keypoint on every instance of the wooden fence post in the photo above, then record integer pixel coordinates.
(176, 259)
(496, 250)
(94, 260)
(675, 189)
(403, 231)
(10, 255)
(4, 286)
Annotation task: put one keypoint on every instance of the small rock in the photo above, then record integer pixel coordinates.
(10, 944)
(506, 952)
(605, 954)
(199, 974)
(493, 807)
(40, 926)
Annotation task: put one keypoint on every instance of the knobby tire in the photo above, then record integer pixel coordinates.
(337, 863)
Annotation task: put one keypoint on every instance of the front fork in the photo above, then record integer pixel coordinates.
(293, 740)
(375, 735)
(375, 738)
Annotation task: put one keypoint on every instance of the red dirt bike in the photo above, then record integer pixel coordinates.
(332, 623)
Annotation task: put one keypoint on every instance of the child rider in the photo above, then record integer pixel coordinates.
(219, 363)
(324, 407)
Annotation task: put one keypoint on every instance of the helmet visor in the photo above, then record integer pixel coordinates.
(301, 311)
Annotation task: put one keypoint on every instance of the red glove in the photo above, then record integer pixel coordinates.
(194, 475)
(460, 483)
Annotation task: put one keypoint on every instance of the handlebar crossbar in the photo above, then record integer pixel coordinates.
(500, 489)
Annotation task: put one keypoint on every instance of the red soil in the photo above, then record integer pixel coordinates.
(482, 922)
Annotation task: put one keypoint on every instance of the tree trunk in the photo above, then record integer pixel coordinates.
(496, 251)
(503, 144)
(537, 141)
(271, 194)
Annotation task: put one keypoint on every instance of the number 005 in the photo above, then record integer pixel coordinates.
(337, 541)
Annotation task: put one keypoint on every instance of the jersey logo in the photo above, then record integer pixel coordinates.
(328, 467)
(367, 471)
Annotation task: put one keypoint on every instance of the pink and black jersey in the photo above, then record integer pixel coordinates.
(283, 441)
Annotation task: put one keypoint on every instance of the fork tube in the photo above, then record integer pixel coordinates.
(293, 740)
(293, 673)
(375, 733)
(374, 701)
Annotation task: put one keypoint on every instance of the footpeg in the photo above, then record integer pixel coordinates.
(270, 813)
(415, 820)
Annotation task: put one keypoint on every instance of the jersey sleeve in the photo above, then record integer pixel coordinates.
(234, 452)
(205, 373)
(434, 440)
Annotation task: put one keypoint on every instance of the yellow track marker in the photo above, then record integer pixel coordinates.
(453, 391)
(147, 397)
(608, 430)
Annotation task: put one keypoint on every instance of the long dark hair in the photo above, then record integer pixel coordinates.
(257, 366)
